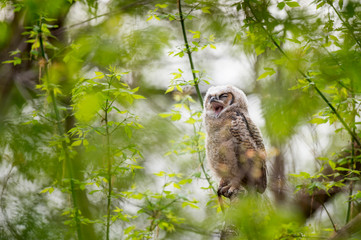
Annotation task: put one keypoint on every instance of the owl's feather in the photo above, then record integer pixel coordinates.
(250, 145)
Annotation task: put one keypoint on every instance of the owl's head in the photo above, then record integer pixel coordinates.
(221, 99)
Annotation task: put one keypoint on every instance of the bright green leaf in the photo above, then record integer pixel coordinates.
(293, 4)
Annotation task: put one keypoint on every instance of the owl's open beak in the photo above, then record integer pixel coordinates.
(213, 99)
(218, 107)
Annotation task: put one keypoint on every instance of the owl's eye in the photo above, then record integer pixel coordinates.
(224, 95)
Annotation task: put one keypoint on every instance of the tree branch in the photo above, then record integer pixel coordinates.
(346, 231)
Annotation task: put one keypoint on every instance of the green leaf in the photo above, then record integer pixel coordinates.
(128, 131)
(176, 185)
(320, 5)
(270, 72)
(192, 205)
(334, 38)
(76, 143)
(318, 121)
(342, 169)
(179, 88)
(191, 121)
(170, 89)
(161, 5)
(259, 50)
(136, 96)
(118, 210)
(205, 10)
(332, 164)
(12, 53)
(165, 115)
(48, 189)
(160, 174)
(293, 4)
(185, 181)
(176, 116)
(281, 5)
(197, 34)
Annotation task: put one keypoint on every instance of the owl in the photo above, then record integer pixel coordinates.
(234, 145)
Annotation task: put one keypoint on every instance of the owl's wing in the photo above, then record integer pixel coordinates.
(249, 138)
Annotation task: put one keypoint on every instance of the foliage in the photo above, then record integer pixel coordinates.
(95, 146)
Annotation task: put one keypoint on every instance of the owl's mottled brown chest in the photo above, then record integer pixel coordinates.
(220, 144)
(218, 130)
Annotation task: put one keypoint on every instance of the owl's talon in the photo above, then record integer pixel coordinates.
(230, 192)
(223, 190)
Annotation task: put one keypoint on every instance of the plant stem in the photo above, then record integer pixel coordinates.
(308, 79)
(349, 206)
(195, 81)
(107, 106)
(189, 53)
(329, 216)
(201, 162)
(61, 133)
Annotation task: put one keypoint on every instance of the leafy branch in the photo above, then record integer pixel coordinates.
(348, 129)
(348, 26)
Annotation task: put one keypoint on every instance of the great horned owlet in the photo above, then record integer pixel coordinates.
(234, 145)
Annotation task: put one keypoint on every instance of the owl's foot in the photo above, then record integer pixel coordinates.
(230, 191)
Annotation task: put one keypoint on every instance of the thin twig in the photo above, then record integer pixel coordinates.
(189, 53)
(352, 167)
(329, 216)
(109, 160)
(202, 164)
